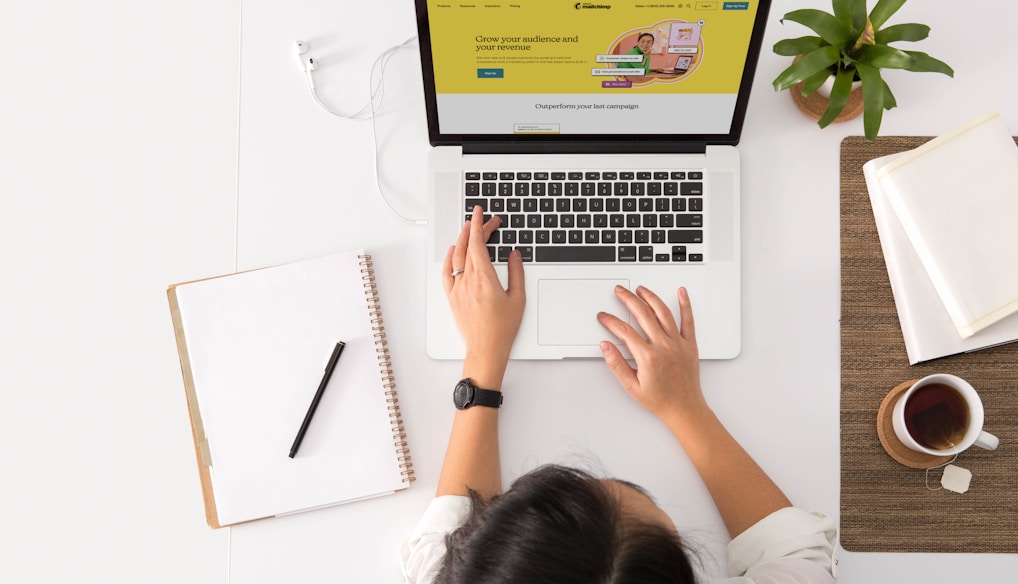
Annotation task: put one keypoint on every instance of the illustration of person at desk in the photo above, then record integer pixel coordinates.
(644, 43)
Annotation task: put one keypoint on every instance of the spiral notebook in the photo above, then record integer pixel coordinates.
(253, 347)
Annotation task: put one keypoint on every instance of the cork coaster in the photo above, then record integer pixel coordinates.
(815, 104)
(889, 440)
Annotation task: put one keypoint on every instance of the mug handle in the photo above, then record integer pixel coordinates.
(987, 441)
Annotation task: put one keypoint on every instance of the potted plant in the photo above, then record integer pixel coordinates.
(853, 46)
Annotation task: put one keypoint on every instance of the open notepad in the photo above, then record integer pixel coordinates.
(253, 347)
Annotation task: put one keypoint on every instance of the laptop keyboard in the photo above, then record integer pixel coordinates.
(592, 216)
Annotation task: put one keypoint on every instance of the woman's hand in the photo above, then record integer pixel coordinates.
(487, 315)
(666, 380)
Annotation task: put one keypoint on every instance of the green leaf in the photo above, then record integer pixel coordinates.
(902, 32)
(884, 10)
(923, 63)
(824, 24)
(872, 100)
(839, 97)
(799, 46)
(889, 101)
(810, 64)
(810, 84)
(851, 12)
(883, 57)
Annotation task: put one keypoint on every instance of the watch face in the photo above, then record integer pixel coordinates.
(463, 395)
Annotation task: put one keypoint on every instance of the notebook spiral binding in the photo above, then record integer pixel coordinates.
(385, 367)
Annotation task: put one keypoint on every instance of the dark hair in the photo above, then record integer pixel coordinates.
(640, 38)
(560, 525)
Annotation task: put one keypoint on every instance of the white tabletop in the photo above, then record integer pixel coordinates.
(124, 182)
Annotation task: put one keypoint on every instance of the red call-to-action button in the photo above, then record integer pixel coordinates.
(625, 84)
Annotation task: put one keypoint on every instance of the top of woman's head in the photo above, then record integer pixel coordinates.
(563, 526)
(645, 34)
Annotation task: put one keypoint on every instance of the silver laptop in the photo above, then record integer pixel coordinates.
(545, 113)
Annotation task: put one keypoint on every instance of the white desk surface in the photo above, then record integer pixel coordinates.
(122, 162)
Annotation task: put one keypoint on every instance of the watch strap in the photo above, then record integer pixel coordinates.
(487, 397)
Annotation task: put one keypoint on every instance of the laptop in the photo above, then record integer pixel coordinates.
(542, 112)
(681, 66)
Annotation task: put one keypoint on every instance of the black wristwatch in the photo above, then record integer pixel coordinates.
(468, 395)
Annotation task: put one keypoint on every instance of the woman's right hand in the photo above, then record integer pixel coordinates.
(666, 379)
(487, 315)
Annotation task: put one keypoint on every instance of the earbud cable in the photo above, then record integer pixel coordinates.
(368, 113)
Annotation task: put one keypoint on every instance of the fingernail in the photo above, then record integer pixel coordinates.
(601, 314)
(618, 288)
(684, 293)
(605, 347)
(516, 254)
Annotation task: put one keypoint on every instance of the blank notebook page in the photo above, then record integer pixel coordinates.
(258, 344)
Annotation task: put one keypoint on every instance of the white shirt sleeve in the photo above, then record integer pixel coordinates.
(422, 553)
(790, 546)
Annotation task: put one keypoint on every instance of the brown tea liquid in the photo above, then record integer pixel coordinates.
(936, 416)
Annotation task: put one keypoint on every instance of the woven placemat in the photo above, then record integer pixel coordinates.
(886, 506)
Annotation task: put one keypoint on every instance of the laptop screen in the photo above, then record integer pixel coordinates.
(604, 69)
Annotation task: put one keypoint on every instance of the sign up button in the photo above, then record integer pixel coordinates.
(735, 6)
(490, 73)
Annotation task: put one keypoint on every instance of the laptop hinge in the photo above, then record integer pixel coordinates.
(585, 148)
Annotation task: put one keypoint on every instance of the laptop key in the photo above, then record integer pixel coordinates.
(691, 188)
(685, 236)
(627, 253)
(580, 253)
(689, 220)
(646, 253)
(489, 175)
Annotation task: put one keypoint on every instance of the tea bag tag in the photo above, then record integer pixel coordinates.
(956, 479)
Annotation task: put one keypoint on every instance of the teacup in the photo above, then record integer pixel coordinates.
(941, 415)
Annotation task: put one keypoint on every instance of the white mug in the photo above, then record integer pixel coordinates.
(941, 415)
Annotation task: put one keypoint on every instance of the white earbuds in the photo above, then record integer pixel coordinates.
(308, 64)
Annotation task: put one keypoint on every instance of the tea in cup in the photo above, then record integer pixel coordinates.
(941, 415)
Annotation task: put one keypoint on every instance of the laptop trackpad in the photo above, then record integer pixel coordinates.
(567, 310)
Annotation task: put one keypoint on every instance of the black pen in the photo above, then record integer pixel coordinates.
(318, 397)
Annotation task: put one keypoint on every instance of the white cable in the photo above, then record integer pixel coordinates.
(368, 111)
(379, 91)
